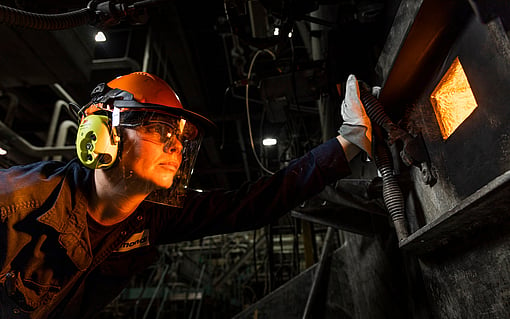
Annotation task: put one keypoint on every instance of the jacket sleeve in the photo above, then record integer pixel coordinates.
(254, 204)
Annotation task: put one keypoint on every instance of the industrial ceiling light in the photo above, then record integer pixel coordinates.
(3, 152)
(452, 100)
(269, 141)
(100, 37)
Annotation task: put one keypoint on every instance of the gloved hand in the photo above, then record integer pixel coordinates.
(356, 127)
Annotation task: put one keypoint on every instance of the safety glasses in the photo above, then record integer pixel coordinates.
(162, 128)
(164, 132)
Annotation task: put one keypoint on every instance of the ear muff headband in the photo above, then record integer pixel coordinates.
(97, 142)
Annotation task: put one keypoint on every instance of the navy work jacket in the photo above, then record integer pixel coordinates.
(47, 268)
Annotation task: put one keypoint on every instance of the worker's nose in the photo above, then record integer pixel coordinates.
(173, 145)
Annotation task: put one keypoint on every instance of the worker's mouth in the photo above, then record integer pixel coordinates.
(170, 166)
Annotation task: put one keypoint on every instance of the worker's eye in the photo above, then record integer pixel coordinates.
(155, 129)
(157, 132)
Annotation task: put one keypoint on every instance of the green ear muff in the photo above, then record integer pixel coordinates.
(97, 143)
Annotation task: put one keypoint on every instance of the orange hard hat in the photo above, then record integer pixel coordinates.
(151, 92)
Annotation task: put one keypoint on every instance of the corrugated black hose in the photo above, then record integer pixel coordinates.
(47, 22)
(392, 194)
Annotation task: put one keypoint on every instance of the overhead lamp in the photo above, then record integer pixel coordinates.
(269, 141)
(276, 31)
(100, 37)
(3, 152)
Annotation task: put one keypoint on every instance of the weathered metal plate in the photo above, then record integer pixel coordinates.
(489, 206)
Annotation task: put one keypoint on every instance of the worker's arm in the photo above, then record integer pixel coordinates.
(258, 203)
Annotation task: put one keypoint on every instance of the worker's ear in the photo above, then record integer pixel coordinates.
(97, 142)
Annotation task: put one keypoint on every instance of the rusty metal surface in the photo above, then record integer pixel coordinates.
(478, 151)
(487, 207)
(372, 278)
(421, 49)
(462, 239)
(469, 279)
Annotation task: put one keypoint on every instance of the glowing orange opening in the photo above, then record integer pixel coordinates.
(453, 100)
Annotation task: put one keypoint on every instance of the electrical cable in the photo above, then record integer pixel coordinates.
(248, 108)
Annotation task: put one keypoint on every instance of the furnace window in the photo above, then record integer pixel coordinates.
(452, 99)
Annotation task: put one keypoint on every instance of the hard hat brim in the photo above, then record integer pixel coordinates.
(200, 121)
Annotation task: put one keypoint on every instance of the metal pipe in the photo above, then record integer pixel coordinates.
(142, 292)
(227, 58)
(243, 150)
(315, 28)
(35, 151)
(200, 304)
(62, 135)
(165, 297)
(196, 291)
(270, 258)
(239, 263)
(54, 121)
(64, 93)
(111, 63)
(11, 108)
(156, 291)
(312, 296)
(147, 51)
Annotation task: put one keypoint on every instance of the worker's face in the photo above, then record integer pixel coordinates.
(158, 154)
(152, 153)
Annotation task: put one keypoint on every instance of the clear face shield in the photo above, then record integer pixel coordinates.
(167, 147)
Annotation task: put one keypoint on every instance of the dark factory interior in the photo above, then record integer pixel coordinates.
(419, 231)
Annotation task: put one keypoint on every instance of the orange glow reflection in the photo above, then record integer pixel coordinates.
(453, 100)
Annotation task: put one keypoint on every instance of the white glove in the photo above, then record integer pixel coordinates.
(356, 127)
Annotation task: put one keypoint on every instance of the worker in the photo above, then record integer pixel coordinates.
(72, 234)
